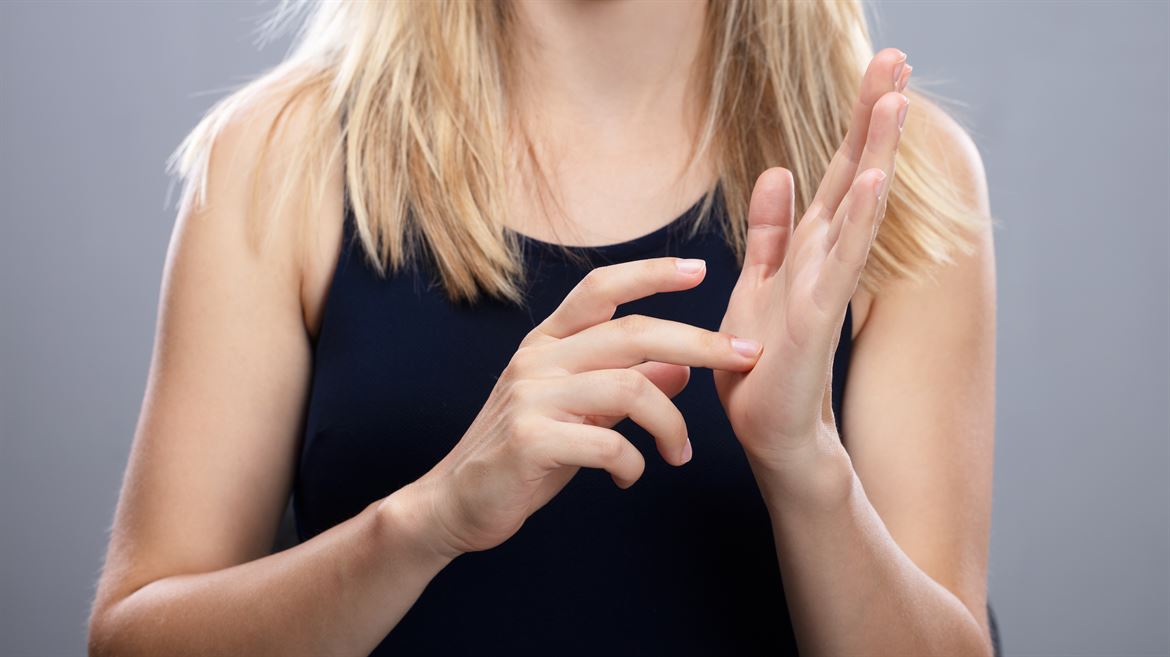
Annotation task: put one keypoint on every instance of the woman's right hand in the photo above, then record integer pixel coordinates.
(574, 376)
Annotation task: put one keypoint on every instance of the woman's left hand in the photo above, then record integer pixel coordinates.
(796, 283)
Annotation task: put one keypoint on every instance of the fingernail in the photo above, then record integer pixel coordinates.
(904, 79)
(687, 453)
(902, 112)
(898, 72)
(879, 184)
(748, 348)
(690, 265)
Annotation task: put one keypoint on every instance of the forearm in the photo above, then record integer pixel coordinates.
(339, 593)
(850, 588)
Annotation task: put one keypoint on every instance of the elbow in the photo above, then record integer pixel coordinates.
(111, 632)
(103, 639)
(986, 647)
(982, 647)
(98, 635)
(977, 640)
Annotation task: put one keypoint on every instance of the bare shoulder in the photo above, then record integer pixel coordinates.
(969, 276)
(952, 147)
(267, 199)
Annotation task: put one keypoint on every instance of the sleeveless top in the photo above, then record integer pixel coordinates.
(681, 563)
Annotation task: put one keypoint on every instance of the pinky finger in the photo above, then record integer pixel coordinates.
(590, 446)
(850, 249)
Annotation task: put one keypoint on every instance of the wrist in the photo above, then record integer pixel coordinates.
(817, 476)
(406, 522)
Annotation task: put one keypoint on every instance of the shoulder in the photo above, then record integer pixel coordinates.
(263, 187)
(957, 166)
(268, 139)
(950, 163)
(947, 144)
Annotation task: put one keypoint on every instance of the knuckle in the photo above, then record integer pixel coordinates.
(523, 391)
(595, 282)
(633, 325)
(711, 342)
(630, 384)
(610, 447)
(523, 362)
(817, 211)
(533, 337)
(523, 432)
(587, 283)
(511, 371)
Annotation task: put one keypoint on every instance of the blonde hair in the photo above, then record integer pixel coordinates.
(413, 96)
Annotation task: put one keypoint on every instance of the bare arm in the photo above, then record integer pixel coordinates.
(212, 461)
(883, 548)
(898, 564)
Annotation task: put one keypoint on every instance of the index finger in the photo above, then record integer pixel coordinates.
(595, 299)
(634, 339)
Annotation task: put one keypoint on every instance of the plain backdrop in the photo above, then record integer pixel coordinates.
(1068, 102)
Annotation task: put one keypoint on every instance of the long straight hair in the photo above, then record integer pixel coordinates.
(413, 97)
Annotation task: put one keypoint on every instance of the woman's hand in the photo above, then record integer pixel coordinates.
(796, 284)
(574, 376)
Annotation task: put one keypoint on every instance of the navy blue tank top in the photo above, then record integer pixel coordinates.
(681, 563)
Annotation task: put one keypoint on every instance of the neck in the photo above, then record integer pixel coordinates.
(604, 114)
(616, 58)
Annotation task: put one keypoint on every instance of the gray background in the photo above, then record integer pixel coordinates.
(1068, 101)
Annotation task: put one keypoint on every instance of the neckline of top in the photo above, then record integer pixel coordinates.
(617, 250)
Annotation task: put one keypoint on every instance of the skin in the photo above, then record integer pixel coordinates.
(613, 139)
(852, 585)
(883, 548)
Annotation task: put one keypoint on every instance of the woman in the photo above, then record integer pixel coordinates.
(421, 273)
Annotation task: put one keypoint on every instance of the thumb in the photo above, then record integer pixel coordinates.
(770, 217)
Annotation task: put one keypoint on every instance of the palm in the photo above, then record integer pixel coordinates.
(774, 399)
(796, 282)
